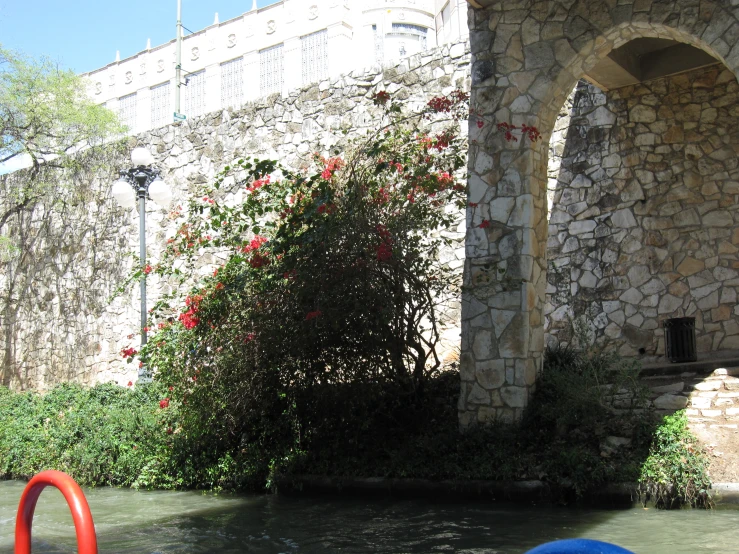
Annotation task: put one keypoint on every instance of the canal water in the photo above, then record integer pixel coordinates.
(161, 522)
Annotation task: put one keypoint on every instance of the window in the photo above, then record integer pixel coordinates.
(232, 83)
(314, 51)
(270, 70)
(405, 39)
(161, 107)
(195, 94)
(379, 45)
(127, 111)
(443, 24)
(415, 31)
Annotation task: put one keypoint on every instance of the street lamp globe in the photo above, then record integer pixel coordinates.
(160, 193)
(124, 194)
(141, 156)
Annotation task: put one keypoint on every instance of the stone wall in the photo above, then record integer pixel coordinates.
(59, 322)
(644, 222)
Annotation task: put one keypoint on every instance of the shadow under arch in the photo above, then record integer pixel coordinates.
(580, 63)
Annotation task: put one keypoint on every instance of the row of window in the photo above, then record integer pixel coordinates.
(406, 38)
(314, 54)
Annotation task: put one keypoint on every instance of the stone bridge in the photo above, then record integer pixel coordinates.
(527, 56)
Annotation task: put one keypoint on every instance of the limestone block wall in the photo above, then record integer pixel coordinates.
(644, 222)
(58, 320)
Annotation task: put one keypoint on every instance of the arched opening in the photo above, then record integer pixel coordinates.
(641, 206)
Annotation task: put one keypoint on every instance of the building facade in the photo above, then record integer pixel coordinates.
(271, 50)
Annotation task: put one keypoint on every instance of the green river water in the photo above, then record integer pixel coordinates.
(161, 522)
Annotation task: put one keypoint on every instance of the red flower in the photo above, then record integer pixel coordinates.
(331, 165)
(219, 286)
(473, 204)
(440, 104)
(169, 430)
(258, 183)
(313, 315)
(380, 98)
(383, 252)
(258, 260)
(164, 403)
(130, 384)
(445, 179)
(485, 224)
(321, 208)
(480, 123)
(129, 352)
(147, 270)
(188, 318)
(255, 243)
(171, 387)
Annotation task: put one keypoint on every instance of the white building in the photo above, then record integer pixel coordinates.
(272, 50)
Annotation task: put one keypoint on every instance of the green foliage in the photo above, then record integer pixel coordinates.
(104, 435)
(45, 112)
(110, 435)
(676, 472)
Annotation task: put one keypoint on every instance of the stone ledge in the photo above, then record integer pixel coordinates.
(616, 495)
(727, 359)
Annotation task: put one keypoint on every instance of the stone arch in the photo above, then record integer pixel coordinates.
(527, 57)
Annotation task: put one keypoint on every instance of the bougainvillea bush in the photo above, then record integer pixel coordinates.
(329, 289)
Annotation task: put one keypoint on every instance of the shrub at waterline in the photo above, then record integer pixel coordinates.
(113, 435)
(676, 472)
(105, 435)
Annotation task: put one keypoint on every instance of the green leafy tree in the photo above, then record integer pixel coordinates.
(46, 118)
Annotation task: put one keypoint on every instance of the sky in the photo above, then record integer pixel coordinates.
(83, 35)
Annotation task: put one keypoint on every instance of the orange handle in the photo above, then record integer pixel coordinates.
(83, 524)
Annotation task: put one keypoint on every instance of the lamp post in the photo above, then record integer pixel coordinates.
(141, 181)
